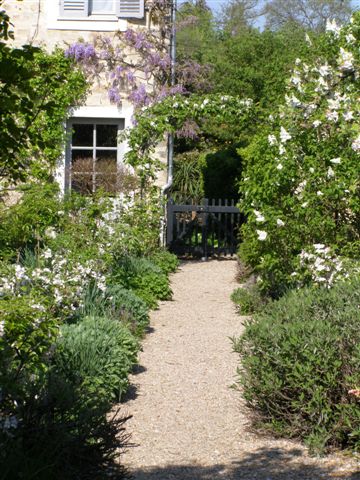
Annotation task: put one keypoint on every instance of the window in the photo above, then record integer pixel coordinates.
(87, 8)
(102, 6)
(93, 153)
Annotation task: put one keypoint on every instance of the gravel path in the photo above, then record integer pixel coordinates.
(187, 423)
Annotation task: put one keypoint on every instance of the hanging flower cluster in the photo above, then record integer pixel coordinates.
(303, 172)
(136, 65)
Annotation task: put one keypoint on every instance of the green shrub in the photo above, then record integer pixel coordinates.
(299, 359)
(248, 300)
(98, 353)
(117, 303)
(300, 190)
(143, 277)
(168, 262)
(23, 225)
(63, 432)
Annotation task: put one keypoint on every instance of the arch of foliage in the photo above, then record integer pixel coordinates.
(172, 115)
(301, 189)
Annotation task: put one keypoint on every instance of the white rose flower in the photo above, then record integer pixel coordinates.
(261, 235)
(259, 217)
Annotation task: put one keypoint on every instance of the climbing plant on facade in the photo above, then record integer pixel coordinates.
(136, 65)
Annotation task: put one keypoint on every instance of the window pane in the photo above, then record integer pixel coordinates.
(82, 171)
(82, 159)
(102, 6)
(106, 172)
(106, 135)
(82, 183)
(82, 135)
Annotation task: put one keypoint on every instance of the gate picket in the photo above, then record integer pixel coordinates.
(217, 221)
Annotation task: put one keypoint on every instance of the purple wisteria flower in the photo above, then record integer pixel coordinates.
(81, 51)
(139, 96)
(114, 95)
(190, 129)
(130, 76)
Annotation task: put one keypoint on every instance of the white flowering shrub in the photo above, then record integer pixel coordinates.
(60, 264)
(301, 177)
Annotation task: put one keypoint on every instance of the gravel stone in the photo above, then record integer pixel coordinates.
(187, 423)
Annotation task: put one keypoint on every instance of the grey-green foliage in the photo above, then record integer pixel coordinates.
(96, 352)
(299, 358)
(117, 303)
(248, 300)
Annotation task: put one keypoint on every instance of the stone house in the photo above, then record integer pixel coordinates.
(94, 154)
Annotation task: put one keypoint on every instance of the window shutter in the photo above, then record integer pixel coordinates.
(130, 8)
(74, 8)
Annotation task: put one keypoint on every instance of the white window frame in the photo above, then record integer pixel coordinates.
(110, 114)
(94, 122)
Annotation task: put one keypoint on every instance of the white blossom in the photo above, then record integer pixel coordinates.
(319, 193)
(299, 189)
(350, 38)
(317, 123)
(47, 253)
(346, 60)
(332, 116)
(284, 135)
(272, 139)
(336, 161)
(259, 217)
(261, 235)
(331, 26)
(282, 149)
(330, 172)
(324, 70)
(280, 223)
(50, 232)
(348, 116)
(356, 144)
(2, 328)
(279, 166)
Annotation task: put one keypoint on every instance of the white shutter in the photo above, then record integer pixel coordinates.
(74, 8)
(130, 8)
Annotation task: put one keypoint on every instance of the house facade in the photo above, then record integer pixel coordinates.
(93, 156)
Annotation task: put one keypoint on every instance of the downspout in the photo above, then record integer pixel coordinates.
(170, 140)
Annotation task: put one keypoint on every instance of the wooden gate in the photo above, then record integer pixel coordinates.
(203, 230)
